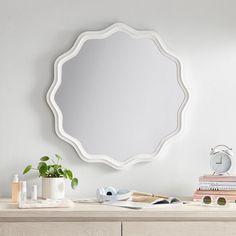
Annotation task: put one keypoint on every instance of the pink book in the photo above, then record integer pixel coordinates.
(216, 192)
(217, 178)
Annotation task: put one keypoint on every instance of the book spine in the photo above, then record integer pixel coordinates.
(215, 188)
(217, 183)
(216, 192)
(215, 178)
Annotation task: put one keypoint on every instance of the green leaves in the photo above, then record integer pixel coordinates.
(44, 158)
(41, 165)
(27, 169)
(68, 174)
(74, 183)
(60, 172)
(53, 169)
(42, 168)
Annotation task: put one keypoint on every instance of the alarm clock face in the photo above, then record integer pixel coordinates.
(220, 163)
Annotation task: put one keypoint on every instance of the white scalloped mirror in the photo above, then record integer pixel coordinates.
(117, 96)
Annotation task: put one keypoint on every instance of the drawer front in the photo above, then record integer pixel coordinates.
(179, 229)
(60, 229)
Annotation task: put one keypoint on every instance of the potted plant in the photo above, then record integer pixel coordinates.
(53, 177)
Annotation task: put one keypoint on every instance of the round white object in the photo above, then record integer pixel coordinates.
(111, 194)
(221, 161)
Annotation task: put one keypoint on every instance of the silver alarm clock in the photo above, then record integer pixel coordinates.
(221, 159)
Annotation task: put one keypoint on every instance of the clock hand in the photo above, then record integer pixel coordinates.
(220, 161)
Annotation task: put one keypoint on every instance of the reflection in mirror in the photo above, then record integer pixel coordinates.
(120, 97)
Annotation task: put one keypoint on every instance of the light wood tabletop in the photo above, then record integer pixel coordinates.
(100, 212)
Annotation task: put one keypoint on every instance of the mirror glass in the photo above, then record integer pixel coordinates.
(119, 97)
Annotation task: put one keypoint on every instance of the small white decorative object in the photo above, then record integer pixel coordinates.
(23, 191)
(112, 194)
(221, 159)
(53, 188)
(34, 193)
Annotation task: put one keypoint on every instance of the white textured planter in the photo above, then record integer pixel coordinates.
(53, 188)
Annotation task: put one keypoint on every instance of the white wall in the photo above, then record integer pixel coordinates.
(33, 33)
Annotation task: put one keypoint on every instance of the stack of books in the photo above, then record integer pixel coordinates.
(216, 185)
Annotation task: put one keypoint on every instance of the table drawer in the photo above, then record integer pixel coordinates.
(179, 228)
(60, 229)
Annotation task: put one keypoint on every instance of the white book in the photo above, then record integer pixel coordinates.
(218, 183)
(140, 205)
(218, 188)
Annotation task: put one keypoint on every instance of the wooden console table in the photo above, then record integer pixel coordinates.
(101, 220)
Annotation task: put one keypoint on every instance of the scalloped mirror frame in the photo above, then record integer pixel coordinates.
(102, 34)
